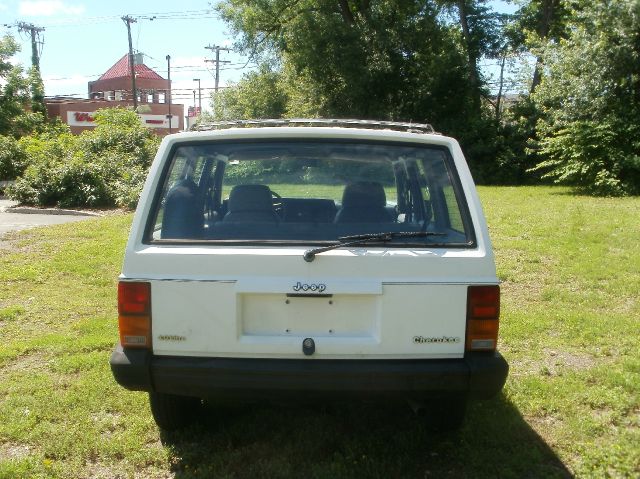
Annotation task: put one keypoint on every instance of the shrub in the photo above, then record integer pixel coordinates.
(57, 174)
(589, 129)
(13, 161)
(594, 156)
(100, 168)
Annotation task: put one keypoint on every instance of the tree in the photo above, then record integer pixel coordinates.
(402, 60)
(481, 30)
(14, 90)
(365, 59)
(16, 119)
(259, 94)
(268, 93)
(589, 101)
(538, 22)
(384, 59)
(36, 85)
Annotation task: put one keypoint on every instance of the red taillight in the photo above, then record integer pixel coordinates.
(483, 313)
(134, 314)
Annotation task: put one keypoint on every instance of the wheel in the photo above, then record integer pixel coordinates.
(446, 414)
(173, 412)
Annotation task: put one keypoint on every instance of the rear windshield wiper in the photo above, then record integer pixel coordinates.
(310, 254)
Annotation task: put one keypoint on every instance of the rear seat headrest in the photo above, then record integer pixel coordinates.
(250, 198)
(364, 194)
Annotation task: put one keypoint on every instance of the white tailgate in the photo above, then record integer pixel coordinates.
(264, 318)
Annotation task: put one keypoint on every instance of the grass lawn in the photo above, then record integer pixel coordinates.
(570, 328)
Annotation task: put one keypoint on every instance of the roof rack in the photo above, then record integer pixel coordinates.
(329, 122)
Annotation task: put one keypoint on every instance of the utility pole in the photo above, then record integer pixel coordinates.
(168, 57)
(217, 61)
(128, 21)
(199, 97)
(38, 103)
(35, 40)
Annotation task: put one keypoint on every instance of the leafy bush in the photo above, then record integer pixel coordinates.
(13, 161)
(42, 181)
(589, 130)
(594, 156)
(100, 168)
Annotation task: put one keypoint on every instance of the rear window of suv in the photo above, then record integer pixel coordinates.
(306, 192)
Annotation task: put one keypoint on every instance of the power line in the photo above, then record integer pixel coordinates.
(217, 61)
(74, 77)
(36, 42)
(181, 15)
(128, 19)
(186, 95)
(182, 69)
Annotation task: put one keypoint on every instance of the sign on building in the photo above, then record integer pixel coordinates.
(80, 118)
(193, 111)
(85, 118)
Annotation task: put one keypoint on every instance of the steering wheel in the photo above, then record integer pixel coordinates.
(278, 204)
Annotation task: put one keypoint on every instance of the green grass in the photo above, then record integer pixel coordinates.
(570, 267)
(333, 192)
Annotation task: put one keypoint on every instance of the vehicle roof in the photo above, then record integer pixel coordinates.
(316, 129)
(409, 127)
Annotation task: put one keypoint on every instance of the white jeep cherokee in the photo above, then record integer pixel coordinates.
(309, 259)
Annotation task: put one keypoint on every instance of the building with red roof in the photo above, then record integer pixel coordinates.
(115, 83)
(113, 89)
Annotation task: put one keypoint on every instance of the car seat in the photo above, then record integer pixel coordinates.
(250, 204)
(183, 218)
(363, 202)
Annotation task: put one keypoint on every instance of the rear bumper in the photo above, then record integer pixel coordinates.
(481, 376)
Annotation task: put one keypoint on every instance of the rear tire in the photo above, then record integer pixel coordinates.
(173, 412)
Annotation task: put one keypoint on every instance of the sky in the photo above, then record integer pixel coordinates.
(84, 38)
